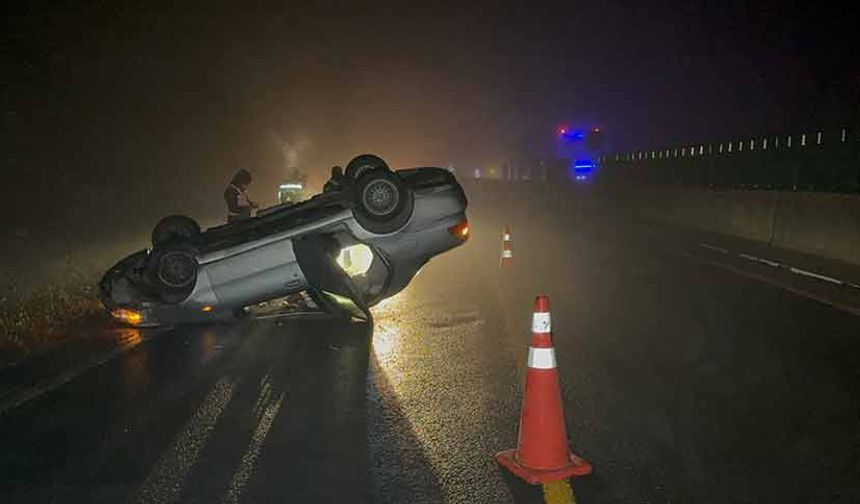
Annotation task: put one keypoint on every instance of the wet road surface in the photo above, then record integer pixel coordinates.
(682, 383)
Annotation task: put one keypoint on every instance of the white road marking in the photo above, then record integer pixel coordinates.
(760, 259)
(769, 262)
(17, 398)
(714, 248)
(816, 275)
(775, 264)
(249, 460)
(771, 281)
(165, 482)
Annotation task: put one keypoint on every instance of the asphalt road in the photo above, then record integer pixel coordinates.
(682, 383)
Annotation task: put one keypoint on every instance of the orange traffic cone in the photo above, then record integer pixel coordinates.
(542, 453)
(507, 253)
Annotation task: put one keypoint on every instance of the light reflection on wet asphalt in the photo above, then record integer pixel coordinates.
(668, 368)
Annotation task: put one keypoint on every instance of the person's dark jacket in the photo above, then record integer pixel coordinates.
(337, 180)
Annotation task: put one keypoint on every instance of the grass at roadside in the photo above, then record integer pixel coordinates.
(43, 318)
(49, 283)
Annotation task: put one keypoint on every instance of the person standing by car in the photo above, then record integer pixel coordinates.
(336, 182)
(239, 205)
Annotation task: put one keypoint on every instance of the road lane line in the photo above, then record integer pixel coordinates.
(265, 391)
(19, 397)
(714, 248)
(558, 492)
(165, 482)
(760, 259)
(797, 271)
(815, 275)
(842, 306)
(769, 262)
(249, 460)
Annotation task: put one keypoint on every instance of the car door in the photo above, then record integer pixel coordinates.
(328, 283)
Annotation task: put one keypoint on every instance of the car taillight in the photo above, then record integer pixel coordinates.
(461, 230)
(128, 316)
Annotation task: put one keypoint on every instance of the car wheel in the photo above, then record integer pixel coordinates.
(175, 228)
(172, 271)
(363, 164)
(384, 202)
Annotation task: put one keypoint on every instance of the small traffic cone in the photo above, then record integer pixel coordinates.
(507, 253)
(543, 454)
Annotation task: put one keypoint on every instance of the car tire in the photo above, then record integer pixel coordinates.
(171, 271)
(384, 203)
(175, 228)
(363, 164)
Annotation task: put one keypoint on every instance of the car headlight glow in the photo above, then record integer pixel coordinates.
(355, 259)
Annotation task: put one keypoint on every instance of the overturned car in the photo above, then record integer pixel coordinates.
(360, 241)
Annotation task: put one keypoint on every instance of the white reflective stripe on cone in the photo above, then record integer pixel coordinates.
(541, 323)
(541, 358)
(506, 237)
(507, 254)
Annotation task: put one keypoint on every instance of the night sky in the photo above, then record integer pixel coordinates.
(162, 104)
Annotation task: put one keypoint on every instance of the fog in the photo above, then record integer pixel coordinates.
(117, 114)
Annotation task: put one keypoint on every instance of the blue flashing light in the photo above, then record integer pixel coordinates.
(583, 165)
(581, 169)
(575, 135)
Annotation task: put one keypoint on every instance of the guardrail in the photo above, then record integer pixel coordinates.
(824, 160)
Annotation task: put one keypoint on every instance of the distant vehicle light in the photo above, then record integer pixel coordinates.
(128, 316)
(356, 259)
(566, 134)
(461, 230)
(206, 308)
